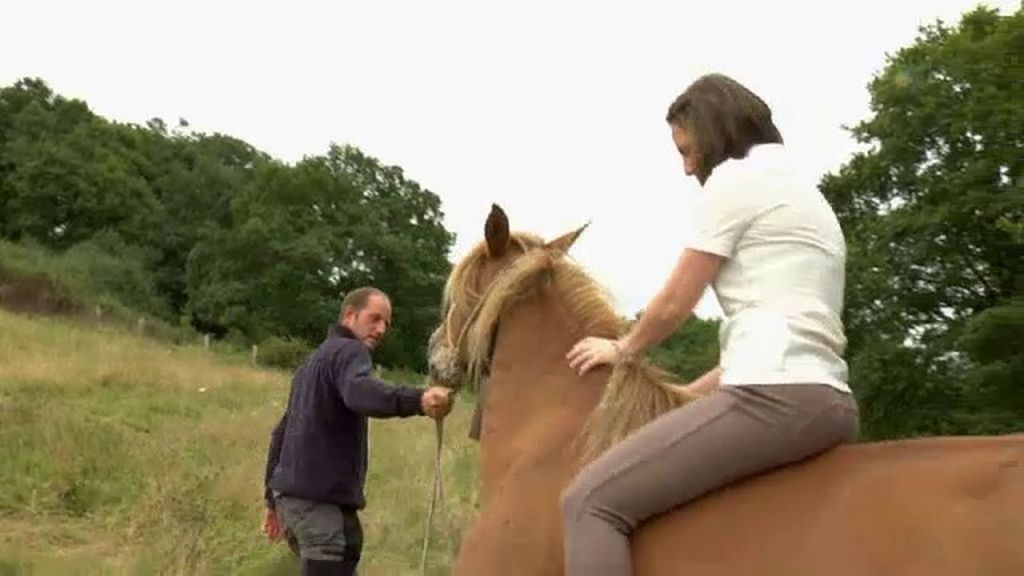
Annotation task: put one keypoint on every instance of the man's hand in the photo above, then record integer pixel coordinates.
(436, 402)
(271, 526)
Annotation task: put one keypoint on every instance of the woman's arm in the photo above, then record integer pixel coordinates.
(706, 383)
(692, 273)
(674, 303)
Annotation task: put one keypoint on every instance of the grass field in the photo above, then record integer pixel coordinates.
(122, 455)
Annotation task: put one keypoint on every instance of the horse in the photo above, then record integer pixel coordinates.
(513, 307)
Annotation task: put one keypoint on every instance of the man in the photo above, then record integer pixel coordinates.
(316, 465)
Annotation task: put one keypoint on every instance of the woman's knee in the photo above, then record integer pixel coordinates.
(571, 500)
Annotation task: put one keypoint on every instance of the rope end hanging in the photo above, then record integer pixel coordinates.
(437, 494)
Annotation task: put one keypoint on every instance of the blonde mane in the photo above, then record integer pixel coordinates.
(636, 392)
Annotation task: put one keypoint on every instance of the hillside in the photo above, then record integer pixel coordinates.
(125, 455)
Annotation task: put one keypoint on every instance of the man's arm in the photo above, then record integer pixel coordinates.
(366, 395)
(273, 457)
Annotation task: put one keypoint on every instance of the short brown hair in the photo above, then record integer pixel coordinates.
(359, 297)
(724, 118)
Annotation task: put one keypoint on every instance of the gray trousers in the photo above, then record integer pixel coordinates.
(735, 431)
(327, 537)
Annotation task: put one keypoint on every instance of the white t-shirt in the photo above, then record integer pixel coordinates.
(781, 287)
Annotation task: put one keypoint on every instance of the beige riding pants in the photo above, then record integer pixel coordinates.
(733, 432)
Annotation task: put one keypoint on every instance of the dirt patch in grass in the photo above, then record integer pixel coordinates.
(34, 294)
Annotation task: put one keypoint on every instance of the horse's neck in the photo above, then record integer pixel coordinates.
(535, 406)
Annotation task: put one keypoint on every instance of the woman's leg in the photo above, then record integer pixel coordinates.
(732, 433)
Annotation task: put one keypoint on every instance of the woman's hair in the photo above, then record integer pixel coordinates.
(724, 119)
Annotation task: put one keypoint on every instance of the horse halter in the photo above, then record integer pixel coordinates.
(453, 349)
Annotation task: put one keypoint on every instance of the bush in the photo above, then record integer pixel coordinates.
(107, 267)
(102, 271)
(287, 353)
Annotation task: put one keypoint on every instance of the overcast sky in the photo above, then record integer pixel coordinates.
(552, 109)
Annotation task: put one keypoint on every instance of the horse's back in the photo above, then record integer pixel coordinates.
(935, 506)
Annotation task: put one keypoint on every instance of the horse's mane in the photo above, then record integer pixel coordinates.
(636, 392)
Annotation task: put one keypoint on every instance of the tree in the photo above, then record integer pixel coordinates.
(195, 178)
(932, 212)
(403, 249)
(208, 228)
(67, 174)
(300, 237)
(691, 350)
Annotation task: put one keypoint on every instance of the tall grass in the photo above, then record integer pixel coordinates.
(122, 455)
(100, 280)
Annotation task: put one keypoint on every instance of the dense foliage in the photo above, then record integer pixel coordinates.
(217, 234)
(933, 211)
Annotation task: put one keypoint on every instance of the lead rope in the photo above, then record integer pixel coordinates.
(437, 495)
(438, 491)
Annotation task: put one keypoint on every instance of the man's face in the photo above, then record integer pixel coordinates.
(371, 323)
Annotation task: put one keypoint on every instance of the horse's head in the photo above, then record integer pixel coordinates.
(507, 269)
(477, 288)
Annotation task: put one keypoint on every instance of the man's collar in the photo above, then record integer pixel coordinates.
(344, 332)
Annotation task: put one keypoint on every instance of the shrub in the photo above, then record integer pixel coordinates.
(286, 353)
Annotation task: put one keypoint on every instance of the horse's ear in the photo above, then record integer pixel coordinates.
(564, 242)
(496, 232)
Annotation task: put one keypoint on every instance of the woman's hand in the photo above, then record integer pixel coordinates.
(592, 352)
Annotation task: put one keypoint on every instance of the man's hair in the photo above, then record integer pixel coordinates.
(724, 118)
(358, 298)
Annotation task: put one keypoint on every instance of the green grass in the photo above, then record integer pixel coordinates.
(124, 455)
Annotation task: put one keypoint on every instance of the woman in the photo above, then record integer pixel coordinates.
(775, 255)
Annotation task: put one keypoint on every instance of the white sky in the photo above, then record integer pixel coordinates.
(551, 109)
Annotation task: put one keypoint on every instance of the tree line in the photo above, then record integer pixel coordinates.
(222, 237)
(933, 213)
